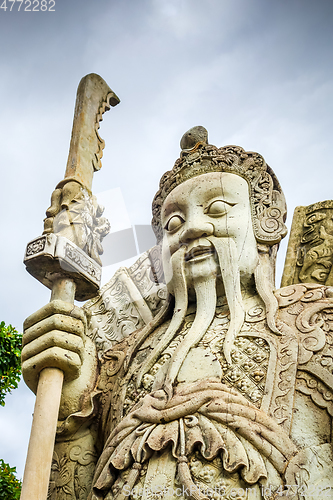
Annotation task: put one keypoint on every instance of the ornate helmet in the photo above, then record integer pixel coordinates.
(197, 157)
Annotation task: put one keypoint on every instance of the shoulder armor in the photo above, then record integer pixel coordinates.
(308, 309)
(130, 300)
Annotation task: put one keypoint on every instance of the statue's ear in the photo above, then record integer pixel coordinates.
(269, 226)
(269, 210)
(155, 256)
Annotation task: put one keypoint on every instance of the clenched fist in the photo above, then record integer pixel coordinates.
(54, 337)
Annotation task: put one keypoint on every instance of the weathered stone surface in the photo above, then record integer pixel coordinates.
(126, 303)
(200, 379)
(74, 228)
(310, 249)
(53, 255)
(66, 259)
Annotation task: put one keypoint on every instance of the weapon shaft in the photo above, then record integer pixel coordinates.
(44, 425)
(65, 268)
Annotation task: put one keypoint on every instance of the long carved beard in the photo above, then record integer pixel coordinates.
(205, 291)
(228, 261)
(181, 301)
(264, 280)
(203, 279)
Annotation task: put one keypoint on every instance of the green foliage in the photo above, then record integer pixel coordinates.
(10, 487)
(10, 372)
(10, 360)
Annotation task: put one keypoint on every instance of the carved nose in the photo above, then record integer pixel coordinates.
(194, 232)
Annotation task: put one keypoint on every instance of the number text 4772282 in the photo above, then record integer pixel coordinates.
(27, 5)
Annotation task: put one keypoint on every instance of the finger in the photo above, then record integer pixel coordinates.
(206, 385)
(55, 357)
(257, 433)
(55, 338)
(217, 395)
(55, 322)
(228, 408)
(223, 398)
(54, 307)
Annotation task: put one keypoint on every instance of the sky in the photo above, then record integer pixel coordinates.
(255, 73)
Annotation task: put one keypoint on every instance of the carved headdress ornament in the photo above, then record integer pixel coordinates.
(198, 157)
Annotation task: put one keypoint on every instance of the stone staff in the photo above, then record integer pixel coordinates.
(66, 260)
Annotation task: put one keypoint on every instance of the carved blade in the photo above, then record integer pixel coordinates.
(93, 98)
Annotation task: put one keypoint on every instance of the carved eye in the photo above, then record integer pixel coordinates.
(174, 223)
(218, 208)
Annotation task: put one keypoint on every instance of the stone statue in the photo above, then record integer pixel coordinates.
(310, 249)
(189, 375)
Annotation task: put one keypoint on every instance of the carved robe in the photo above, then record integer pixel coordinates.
(209, 439)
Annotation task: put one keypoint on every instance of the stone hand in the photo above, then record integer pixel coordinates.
(53, 337)
(254, 425)
(222, 405)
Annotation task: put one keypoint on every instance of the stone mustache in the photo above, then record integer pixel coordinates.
(195, 378)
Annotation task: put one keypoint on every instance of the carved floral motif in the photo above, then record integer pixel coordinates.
(36, 246)
(72, 471)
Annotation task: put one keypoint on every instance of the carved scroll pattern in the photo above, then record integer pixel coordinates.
(74, 256)
(320, 394)
(284, 381)
(115, 312)
(320, 364)
(153, 291)
(72, 470)
(119, 484)
(36, 246)
(307, 308)
(315, 253)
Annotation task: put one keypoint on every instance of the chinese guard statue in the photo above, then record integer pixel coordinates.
(189, 375)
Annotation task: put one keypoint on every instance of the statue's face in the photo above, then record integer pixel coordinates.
(214, 204)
